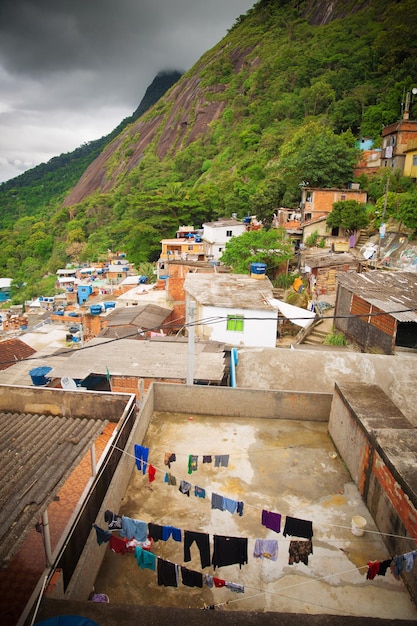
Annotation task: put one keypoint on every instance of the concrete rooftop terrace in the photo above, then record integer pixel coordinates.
(282, 465)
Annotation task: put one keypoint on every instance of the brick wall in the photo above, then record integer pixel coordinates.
(379, 446)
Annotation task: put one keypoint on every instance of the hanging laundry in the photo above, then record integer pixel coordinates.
(207, 458)
(235, 587)
(167, 573)
(209, 581)
(221, 460)
(373, 569)
(199, 492)
(299, 551)
(409, 558)
(145, 559)
(397, 565)
(132, 543)
(218, 582)
(203, 543)
(141, 457)
(170, 479)
(117, 544)
(217, 502)
(192, 463)
(114, 521)
(171, 531)
(103, 536)
(271, 520)
(191, 578)
(155, 531)
(151, 473)
(133, 529)
(298, 527)
(229, 550)
(169, 458)
(384, 566)
(230, 505)
(266, 548)
(185, 487)
(239, 509)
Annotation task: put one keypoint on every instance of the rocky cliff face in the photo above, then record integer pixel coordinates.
(189, 108)
(320, 12)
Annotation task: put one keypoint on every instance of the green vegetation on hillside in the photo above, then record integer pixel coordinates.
(294, 95)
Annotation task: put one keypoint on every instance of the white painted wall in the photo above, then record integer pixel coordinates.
(215, 238)
(261, 331)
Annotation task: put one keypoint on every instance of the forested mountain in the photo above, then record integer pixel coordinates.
(279, 100)
(48, 183)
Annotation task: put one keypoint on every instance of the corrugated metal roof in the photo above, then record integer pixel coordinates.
(143, 359)
(146, 316)
(38, 453)
(230, 291)
(392, 292)
(321, 259)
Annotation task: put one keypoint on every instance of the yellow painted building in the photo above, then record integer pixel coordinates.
(410, 164)
(182, 248)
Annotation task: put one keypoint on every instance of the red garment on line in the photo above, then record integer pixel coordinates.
(151, 473)
(373, 569)
(118, 545)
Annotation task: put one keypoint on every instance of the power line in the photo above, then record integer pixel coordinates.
(213, 320)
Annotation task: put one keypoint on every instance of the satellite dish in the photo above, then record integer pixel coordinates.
(414, 90)
(68, 383)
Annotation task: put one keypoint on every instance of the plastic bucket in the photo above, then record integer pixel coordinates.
(358, 525)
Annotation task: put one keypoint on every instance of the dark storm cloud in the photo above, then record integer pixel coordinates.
(71, 70)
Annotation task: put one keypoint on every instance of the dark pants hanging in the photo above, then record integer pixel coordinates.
(203, 544)
(167, 573)
(230, 550)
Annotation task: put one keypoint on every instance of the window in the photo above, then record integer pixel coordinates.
(414, 159)
(343, 196)
(235, 322)
(229, 233)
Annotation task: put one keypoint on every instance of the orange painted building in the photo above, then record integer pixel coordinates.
(318, 202)
(395, 139)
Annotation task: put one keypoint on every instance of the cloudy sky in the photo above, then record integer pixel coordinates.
(71, 70)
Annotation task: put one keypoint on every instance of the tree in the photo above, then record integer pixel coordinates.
(315, 154)
(407, 210)
(348, 214)
(271, 247)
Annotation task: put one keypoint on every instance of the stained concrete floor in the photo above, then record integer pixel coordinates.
(279, 465)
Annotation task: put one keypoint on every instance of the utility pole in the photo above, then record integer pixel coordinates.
(382, 227)
(191, 335)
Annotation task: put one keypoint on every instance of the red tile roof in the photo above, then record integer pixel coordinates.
(13, 350)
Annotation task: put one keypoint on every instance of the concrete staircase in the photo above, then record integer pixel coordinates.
(317, 335)
(362, 239)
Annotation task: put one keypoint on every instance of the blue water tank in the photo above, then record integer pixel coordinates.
(38, 375)
(109, 305)
(258, 268)
(247, 220)
(95, 309)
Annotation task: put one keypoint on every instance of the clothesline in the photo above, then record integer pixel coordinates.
(263, 591)
(258, 508)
